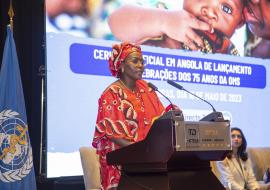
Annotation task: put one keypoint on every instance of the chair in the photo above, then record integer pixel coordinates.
(215, 170)
(260, 159)
(90, 165)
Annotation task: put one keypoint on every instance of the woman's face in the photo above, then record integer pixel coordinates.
(236, 139)
(133, 66)
(257, 15)
(223, 15)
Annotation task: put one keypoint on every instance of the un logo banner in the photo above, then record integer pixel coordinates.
(15, 150)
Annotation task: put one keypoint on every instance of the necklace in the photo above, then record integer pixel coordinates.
(133, 90)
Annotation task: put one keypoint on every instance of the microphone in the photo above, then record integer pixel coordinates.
(156, 89)
(176, 85)
(214, 116)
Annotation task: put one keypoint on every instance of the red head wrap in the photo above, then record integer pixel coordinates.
(119, 54)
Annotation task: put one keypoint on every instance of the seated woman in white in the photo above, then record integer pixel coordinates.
(236, 170)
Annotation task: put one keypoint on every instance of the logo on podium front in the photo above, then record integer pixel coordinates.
(192, 136)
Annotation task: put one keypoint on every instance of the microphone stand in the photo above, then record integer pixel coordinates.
(173, 112)
(214, 116)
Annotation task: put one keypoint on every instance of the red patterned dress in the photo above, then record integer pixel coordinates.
(123, 114)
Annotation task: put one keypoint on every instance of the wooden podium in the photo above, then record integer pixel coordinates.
(175, 155)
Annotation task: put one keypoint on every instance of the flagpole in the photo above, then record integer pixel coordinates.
(41, 155)
(11, 14)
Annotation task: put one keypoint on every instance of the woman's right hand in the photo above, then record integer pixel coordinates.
(179, 25)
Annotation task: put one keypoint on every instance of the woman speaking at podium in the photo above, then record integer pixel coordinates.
(126, 109)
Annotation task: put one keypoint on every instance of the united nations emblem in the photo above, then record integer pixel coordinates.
(15, 150)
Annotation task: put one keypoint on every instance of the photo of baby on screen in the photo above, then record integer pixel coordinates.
(210, 26)
(204, 25)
